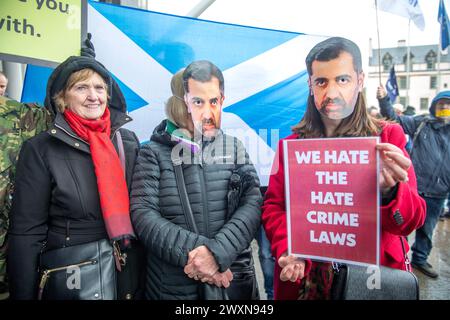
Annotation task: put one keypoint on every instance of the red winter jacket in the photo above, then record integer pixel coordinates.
(407, 201)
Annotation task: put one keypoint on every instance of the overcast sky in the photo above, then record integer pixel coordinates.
(354, 19)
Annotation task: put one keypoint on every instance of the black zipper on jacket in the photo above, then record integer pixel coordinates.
(204, 199)
(71, 135)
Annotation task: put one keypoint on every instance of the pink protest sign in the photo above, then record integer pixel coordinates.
(332, 199)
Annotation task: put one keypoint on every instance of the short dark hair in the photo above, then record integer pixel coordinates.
(203, 71)
(331, 49)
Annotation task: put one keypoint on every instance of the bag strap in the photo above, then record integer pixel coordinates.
(221, 293)
(121, 151)
(120, 258)
(407, 262)
(416, 134)
(185, 204)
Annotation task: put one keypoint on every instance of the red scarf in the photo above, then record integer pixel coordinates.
(112, 187)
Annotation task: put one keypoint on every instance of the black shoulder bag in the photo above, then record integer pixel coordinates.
(206, 290)
(351, 282)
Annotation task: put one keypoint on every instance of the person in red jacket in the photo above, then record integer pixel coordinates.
(336, 108)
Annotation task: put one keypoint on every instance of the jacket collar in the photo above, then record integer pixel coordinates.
(436, 123)
(166, 133)
(61, 130)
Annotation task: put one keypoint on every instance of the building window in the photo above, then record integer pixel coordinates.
(403, 101)
(433, 82)
(387, 62)
(423, 103)
(411, 59)
(430, 59)
(402, 82)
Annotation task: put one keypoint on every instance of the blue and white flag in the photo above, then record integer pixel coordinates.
(406, 8)
(265, 74)
(445, 28)
(391, 85)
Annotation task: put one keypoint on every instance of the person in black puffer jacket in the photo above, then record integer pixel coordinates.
(223, 192)
(430, 155)
(57, 200)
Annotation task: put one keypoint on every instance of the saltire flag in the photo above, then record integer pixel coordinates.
(391, 85)
(406, 8)
(266, 86)
(445, 28)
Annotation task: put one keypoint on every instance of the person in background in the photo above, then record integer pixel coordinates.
(18, 123)
(266, 260)
(3, 83)
(398, 108)
(430, 156)
(409, 111)
(374, 112)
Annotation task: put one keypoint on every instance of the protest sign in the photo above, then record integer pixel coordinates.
(332, 199)
(42, 32)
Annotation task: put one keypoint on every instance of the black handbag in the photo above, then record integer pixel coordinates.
(350, 282)
(244, 285)
(81, 272)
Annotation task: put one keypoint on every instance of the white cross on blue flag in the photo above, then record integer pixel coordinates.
(265, 74)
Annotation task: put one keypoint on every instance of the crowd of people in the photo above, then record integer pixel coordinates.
(180, 211)
(428, 140)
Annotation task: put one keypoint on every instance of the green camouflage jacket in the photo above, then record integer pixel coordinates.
(18, 122)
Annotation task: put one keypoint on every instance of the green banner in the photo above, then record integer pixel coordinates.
(43, 32)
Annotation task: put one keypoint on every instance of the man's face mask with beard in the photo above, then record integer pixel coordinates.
(335, 86)
(204, 101)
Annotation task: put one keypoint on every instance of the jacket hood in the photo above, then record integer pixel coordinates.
(61, 74)
(440, 95)
(160, 134)
(167, 133)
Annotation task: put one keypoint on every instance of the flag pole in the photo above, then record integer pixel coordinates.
(408, 53)
(196, 11)
(439, 63)
(378, 37)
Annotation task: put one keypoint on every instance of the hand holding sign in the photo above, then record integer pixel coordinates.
(332, 200)
(394, 166)
(293, 268)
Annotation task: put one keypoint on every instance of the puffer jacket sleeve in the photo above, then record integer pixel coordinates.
(29, 217)
(163, 238)
(238, 232)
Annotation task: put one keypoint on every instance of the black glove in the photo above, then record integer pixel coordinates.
(87, 48)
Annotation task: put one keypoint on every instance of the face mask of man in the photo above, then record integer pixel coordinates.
(338, 108)
(335, 86)
(443, 110)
